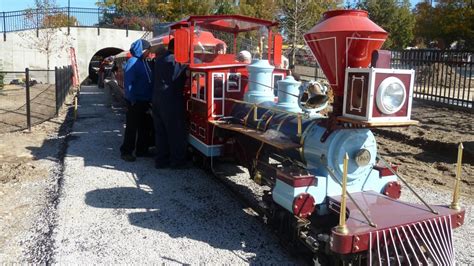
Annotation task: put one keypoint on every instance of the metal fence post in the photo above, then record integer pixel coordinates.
(98, 21)
(56, 89)
(61, 86)
(68, 18)
(28, 111)
(4, 28)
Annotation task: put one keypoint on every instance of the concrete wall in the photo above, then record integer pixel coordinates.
(18, 52)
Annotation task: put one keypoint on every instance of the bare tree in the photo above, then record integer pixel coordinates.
(297, 17)
(49, 39)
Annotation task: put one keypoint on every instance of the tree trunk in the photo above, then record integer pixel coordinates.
(48, 54)
(295, 32)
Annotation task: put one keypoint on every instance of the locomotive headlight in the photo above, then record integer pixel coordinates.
(391, 95)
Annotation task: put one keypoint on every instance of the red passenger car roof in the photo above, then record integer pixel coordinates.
(226, 23)
(204, 37)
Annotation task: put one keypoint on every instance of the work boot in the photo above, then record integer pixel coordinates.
(128, 157)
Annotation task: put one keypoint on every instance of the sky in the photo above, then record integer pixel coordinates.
(12, 5)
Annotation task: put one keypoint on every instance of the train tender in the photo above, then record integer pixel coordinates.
(313, 163)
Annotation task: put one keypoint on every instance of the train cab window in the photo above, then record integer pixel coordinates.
(218, 84)
(233, 82)
(218, 88)
(198, 86)
(276, 78)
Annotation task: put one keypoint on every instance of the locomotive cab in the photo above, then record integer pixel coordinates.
(216, 73)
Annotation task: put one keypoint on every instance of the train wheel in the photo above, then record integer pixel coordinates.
(200, 160)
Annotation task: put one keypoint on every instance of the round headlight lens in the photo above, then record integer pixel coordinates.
(391, 95)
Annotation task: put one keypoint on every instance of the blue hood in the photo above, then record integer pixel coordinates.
(137, 47)
(138, 74)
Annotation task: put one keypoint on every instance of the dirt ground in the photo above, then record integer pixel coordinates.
(13, 106)
(29, 161)
(427, 153)
(28, 171)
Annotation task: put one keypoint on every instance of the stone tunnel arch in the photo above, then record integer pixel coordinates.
(97, 59)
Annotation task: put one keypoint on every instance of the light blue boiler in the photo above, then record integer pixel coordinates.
(323, 159)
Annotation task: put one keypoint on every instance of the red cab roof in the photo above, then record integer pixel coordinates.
(204, 38)
(226, 23)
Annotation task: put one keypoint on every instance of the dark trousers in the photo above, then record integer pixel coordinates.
(136, 131)
(170, 133)
(100, 80)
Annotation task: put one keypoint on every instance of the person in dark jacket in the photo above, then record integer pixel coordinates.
(100, 75)
(168, 111)
(109, 69)
(138, 88)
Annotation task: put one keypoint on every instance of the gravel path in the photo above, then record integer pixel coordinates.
(112, 211)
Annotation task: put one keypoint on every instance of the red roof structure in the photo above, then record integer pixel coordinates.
(226, 23)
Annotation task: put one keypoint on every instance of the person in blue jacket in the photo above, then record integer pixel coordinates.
(168, 111)
(138, 86)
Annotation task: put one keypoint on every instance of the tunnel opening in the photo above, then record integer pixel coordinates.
(97, 58)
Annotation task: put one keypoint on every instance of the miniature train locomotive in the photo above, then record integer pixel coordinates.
(312, 162)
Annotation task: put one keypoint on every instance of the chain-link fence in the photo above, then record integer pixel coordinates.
(31, 97)
(12, 101)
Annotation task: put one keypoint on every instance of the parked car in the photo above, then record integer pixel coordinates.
(16, 82)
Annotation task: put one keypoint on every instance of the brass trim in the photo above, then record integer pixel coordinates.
(268, 121)
(260, 121)
(342, 227)
(457, 185)
(299, 120)
(281, 122)
(333, 175)
(255, 112)
(246, 118)
(257, 178)
(257, 155)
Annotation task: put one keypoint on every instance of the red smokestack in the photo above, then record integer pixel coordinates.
(341, 39)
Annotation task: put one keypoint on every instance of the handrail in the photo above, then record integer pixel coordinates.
(406, 183)
(299, 116)
(262, 106)
(352, 199)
